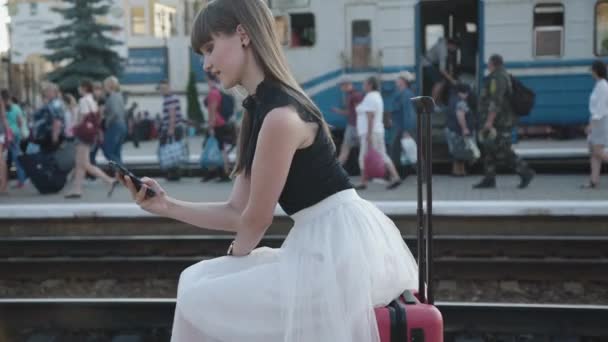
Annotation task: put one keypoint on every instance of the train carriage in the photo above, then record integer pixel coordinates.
(549, 45)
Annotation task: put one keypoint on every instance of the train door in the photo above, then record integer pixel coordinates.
(448, 19)
(359, 35)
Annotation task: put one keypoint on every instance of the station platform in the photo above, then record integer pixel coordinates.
(547, 195)
(542, 149)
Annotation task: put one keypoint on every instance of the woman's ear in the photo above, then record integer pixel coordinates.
(243, 35)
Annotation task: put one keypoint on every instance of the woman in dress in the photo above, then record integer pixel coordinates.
(370, 128)
(597, 130)
(342, 257)
(86, 105)
(4, 142)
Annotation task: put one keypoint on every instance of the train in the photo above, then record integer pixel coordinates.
(548, 45)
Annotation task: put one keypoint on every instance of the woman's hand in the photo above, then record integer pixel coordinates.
(158, 204)
(588, 129)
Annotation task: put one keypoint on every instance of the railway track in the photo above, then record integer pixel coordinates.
(57, 317)
(518, 257)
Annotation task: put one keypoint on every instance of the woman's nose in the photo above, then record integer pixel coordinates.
(206, 64)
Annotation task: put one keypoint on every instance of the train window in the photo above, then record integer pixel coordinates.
(432, 33)
(289, 3)
(601, 28)
(281, 26)
(302, 29)
(138, 21)
(548, 30)
(361, 43)
(471, 27)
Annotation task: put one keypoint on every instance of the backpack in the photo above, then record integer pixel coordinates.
(42, 126)
(227, 106)
(521, 97)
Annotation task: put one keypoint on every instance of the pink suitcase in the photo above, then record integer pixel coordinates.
(412, 316)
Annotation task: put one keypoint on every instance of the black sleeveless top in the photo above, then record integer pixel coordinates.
(315, 172)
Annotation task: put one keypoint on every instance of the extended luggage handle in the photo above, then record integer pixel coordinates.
(425, 107)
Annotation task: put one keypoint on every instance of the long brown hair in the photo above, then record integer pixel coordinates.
(223, 17)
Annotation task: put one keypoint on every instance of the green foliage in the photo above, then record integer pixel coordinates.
(194, 107)
(81, 46)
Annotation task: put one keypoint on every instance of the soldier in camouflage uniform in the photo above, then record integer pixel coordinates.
(497, 119)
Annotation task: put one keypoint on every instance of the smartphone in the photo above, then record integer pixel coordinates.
(123, 171)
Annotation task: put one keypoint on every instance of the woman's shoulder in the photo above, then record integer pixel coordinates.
(284, 124)
(284, 117)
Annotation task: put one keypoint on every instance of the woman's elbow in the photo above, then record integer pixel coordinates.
(256, 222)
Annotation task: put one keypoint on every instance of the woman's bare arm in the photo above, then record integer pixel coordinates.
(216, 216)
(250, 210)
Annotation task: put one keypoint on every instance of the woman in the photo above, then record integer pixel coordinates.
(597, 131)
(4, 142)
(341, 258)
(71, 113)
(459, 127)
(16, 123)
(370, 128)
(86, 106)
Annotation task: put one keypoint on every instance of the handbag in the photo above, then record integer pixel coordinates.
(87, 130)
(373, 163)
(173, 154)
(409, 152)
(211, 156)
(465, 149)
(472, 146)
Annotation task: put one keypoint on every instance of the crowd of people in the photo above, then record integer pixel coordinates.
(97, 120)
(478, 126)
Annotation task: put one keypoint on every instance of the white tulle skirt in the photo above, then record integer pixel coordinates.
(342, 258)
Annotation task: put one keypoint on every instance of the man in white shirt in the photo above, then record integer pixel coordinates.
(370, 129)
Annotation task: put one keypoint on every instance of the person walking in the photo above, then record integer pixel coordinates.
(352, 98)
(370, 128)
(115, 121)
(343, 256)
(170, 126)
(16, 123)
(498, 119)
(597, 130)
(87, 108)
(403, 118)
(218, 128)
(5, 136)
(459, 128)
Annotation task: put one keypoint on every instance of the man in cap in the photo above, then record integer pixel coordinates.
(497, 118)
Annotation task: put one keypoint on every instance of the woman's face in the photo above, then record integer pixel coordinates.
(225, 58)
(367, 87)
(594, 74)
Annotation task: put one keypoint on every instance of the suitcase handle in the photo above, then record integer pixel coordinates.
(425, 107)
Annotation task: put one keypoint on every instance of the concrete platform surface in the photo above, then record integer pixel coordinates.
(548, 194)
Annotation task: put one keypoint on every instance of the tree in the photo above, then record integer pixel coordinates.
(194, 107)
(80, 43)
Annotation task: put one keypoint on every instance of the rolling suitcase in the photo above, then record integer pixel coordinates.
(412, 316)
(44, 172)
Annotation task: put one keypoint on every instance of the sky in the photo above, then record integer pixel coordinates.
(3, 20)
